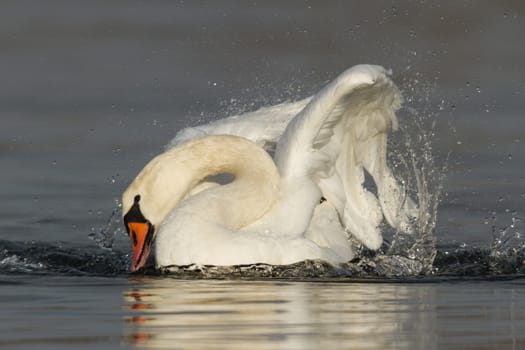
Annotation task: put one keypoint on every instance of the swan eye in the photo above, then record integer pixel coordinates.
(137, 198)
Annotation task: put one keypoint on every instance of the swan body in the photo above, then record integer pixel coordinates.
(271, 211)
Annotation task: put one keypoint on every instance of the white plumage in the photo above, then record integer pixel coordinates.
(270, 212)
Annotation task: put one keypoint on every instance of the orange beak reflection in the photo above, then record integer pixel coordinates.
(141, 235)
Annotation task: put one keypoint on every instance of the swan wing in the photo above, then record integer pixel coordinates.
(263, 126)
(339, 134)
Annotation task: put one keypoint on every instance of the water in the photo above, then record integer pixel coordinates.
(150, 313)
(90, 92)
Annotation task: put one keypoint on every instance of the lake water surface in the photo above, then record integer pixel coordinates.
(146, 312)
(92, 90)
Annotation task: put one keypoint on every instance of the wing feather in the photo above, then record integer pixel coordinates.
(366, 116)
(264, 126)
(339, 135)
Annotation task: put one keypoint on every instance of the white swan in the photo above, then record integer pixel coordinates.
(272, 211)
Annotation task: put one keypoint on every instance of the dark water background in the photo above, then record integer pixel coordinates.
(90, 91)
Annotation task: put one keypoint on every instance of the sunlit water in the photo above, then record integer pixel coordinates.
(90, 93)
(148, 312)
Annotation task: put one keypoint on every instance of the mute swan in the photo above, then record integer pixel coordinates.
(299, 205)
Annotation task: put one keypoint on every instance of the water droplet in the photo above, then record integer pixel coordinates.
(54, 163)
(509, 156)
(478, 89)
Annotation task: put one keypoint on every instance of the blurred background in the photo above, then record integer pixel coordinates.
(91, 90)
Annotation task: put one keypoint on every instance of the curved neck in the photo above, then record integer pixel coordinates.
(169, 177)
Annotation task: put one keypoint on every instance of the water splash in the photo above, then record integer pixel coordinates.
(105, 238)
(451, 263)
(43, 258)
(414, 161)
(507, 251)
(378, 267)
(15, 263)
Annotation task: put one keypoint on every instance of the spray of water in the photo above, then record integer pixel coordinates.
(105, 238)
(414, 163)
(507, 251)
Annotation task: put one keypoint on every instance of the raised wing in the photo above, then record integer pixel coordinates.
(341, 133)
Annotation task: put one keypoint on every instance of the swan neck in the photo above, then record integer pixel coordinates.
(169, 177)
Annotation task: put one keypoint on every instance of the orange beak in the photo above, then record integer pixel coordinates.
(141, 235)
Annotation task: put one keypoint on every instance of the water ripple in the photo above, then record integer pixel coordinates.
(467, 263)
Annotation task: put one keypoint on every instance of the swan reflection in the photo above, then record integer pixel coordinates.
(168, 313)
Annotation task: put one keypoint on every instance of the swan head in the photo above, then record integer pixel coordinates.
(141, 232)
(151, 196)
